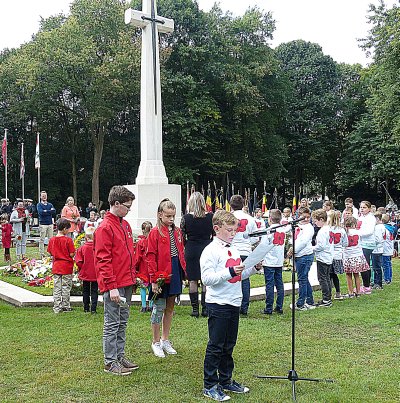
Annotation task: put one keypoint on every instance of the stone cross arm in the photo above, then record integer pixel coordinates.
(141, 20)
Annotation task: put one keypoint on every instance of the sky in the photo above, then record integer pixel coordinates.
(334, 24)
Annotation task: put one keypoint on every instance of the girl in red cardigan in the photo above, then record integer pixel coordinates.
(166, 267)
(6, 231)
(141, 265)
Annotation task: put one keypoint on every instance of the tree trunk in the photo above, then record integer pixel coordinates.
(98, 133)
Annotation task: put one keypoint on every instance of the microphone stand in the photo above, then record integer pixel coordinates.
(292, 376)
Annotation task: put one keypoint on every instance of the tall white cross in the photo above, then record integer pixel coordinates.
(151, 168)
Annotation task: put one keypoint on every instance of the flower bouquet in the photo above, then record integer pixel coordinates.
(160, 281)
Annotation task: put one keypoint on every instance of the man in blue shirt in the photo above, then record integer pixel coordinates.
(46, 213)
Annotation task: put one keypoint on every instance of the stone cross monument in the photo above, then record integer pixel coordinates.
(151, 181)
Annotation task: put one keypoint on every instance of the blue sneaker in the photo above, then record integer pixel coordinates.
(216, 393)
(235, 387)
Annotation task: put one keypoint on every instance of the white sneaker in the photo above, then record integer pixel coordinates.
(309, 307)
(157, 350)
(167, 347)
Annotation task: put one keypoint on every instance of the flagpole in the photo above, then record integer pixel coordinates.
(22, 172)
(6, 173)
(37, 163)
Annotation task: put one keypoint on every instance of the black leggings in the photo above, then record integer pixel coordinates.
(336, 282)
(366, 275)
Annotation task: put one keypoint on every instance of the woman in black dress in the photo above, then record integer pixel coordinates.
(197, 232)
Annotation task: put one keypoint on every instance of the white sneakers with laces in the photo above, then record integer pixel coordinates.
(166, 345)
(157, 350)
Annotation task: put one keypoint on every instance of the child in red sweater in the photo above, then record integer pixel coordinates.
(141, 265)
(62, 249)
(84, 259)
(6, 231)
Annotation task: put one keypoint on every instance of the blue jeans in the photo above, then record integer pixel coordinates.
(273, 277)
(377, 266)
(387, 268)
(303, 265)
(245, 292)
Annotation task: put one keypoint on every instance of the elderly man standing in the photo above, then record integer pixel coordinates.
(46, 212)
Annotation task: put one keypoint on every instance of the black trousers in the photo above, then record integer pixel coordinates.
(223, 325)
(90, 291)
(324, 279)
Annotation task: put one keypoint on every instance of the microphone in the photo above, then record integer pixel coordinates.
(274, 229)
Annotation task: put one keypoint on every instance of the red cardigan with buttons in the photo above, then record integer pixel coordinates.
(159, 252)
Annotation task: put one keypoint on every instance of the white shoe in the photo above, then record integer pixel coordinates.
(167, 347)
(157, 350)
(310, 307)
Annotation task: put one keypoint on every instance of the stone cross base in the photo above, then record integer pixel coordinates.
(148, 197)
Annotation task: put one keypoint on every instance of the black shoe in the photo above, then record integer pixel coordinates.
(195, 314)
(204, 312)
(324, 304)
(243, 313)
(265, 312)
(67, 309)
(93, 312)
(278, 311)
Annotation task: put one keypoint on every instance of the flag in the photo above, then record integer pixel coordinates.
(217, 201)
(227, 198)
(294, 205)
(4, 150)
(208, 199)
(22, 169)
(255, 201)
(37, 153)
(264, 207)
(249, 205)
(187, 196)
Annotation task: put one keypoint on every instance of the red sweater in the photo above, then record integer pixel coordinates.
(84, 259)
(141, 259)
(159, 252)
(114, 254)
(61, 248)
(6, 231)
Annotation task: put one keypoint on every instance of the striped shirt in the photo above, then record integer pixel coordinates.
(174, 249)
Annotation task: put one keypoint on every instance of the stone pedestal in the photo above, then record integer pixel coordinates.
(148, 197)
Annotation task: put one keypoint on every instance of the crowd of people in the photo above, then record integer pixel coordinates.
(217, 253)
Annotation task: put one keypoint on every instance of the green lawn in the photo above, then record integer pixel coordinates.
(58, 358)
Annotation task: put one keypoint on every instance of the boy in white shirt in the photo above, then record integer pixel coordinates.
(243, 243)
(388, 249)
(324, 252)
(273, 264)
(222, 272)
(304, 258)
(377, 253)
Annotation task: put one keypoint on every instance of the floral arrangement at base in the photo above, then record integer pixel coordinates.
(37, 273)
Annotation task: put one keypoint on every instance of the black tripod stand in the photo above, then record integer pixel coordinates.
(292, 376)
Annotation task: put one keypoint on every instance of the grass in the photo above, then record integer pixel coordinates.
(58, 358)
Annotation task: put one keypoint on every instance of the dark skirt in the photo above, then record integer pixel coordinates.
(174, 287)
(193, 251)
(337, 267)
